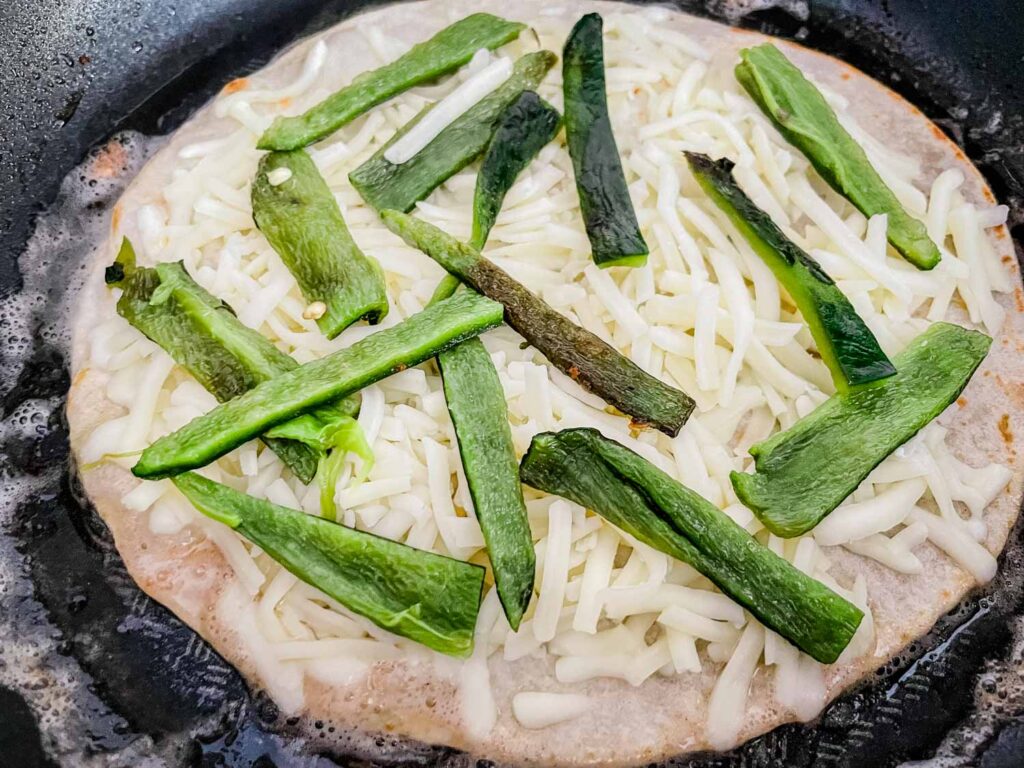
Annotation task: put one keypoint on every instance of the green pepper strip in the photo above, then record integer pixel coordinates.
(634, 495)
(301, 220)
(526, 126)
(349, 439)
(804, 473)
(805, 119)
(385, 185)
(523, 130)
(446, 51)
(309, 386)
(845, 343)
(476, 400)
(202, 334)
(573, 350)
(420, 595)
(608, 214)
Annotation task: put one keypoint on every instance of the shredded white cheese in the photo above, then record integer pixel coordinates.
(534, 709)
(448, 109)
(727, 705)
(279, 176)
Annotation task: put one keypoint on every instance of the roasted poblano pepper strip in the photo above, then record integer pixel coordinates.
(202, 334)
(349, 438)
(448, 285)
(476, 402)
(446, 51)
(523, 130)
(804, 473)
(573, 350)
(301, 220)
(845, 343)
(805, 119)
(310, 386)
(636, 496)
(420, 595)
(608, 214)
(385, 185)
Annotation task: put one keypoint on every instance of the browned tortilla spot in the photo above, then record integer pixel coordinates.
(109, 161)
(236, 85)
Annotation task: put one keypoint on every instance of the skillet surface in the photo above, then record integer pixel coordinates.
(135, 683)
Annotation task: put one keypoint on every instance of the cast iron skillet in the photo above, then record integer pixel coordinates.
(73, 74)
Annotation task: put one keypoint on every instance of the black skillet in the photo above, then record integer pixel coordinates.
(138, 683)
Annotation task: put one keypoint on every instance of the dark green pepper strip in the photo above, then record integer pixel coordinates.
(476, 402)
(608, 214)
(445, 52)
(573, 350)
(301, 220)
(385, 185)
(310, 386)
(525, 127)
(634, 495)
(202, 334)
(805, 119)
(804, 473)
(845, 343)
(420, 595)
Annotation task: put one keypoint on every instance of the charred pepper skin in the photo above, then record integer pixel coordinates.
(575, 351)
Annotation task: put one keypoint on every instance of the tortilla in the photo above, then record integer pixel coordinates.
(415, 697)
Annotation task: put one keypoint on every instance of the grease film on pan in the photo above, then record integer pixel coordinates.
(676, 90)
